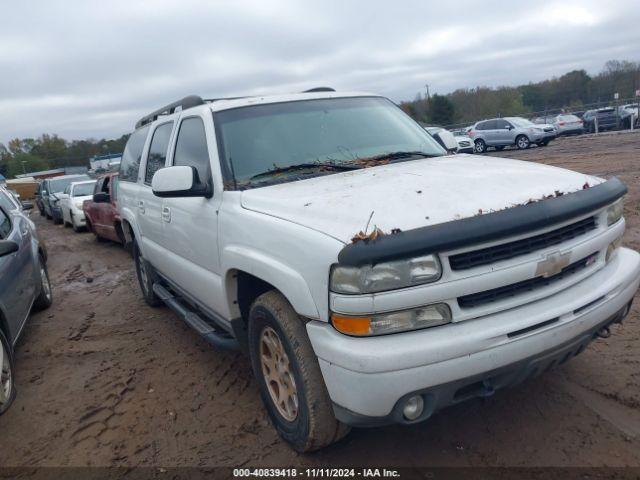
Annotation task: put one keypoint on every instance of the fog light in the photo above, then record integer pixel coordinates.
(413, 407)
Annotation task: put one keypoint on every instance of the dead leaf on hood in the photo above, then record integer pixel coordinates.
(366, 238)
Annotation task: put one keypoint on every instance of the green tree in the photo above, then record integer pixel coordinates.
(21, 162)
(440, 110)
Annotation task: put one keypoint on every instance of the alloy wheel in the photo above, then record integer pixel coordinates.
(6, 384)
(278, 375)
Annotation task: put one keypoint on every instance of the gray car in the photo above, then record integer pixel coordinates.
(24, 284)
(48, 191)
(502, 132)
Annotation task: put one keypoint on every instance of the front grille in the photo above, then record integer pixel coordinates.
(548, 129)
(465, 144)
(489, 255)
(508, 291)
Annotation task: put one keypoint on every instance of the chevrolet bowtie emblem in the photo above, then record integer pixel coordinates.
(553, 264)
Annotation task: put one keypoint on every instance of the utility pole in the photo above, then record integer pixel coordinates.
(426, 85)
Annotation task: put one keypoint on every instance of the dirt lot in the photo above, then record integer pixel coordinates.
(103, 379)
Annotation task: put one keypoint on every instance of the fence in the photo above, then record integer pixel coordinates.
(552, 112)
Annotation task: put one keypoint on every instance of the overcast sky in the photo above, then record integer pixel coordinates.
(83, 68)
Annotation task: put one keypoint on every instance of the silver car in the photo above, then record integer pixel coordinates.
(502, 132)
(24, 284)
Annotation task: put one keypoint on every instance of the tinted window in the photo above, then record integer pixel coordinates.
(490, 125)
(502, 124)
(191, 147)
(130, 163)
(5, 225)
(158, 150)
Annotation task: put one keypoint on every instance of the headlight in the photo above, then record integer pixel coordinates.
(385, 276)
(614, 211)
(394, 322)
(79, 205)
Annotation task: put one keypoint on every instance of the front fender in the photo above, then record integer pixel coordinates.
(271, 270)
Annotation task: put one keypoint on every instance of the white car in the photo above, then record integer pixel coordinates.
(371, 278)
(71, 201)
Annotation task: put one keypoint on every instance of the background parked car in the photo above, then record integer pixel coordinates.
(101, 211)
(567, 124)
(502, 132)
(607, 119)
(49, 190)
(71, 202)
(465, 144)
(24, 284)
(626, 113)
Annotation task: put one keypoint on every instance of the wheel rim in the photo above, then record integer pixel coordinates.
(46, 286)
(480, 147)
(522, 143)
(5, 376)
(278, 375)
(143, 274)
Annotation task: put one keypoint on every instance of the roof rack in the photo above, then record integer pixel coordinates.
(187, 102)
(194, 100)
(320, 89)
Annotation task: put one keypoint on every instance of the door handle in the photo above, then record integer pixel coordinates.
(166, 214)
(141, 206)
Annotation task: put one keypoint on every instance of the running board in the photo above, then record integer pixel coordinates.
(204, 329)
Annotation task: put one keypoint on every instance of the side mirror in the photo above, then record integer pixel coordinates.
(101, 197)
(179, 181)
(447, 140)
(7, 247)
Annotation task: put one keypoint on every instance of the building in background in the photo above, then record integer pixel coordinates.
(55, 172)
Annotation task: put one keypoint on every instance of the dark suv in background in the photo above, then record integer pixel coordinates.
(606, 117)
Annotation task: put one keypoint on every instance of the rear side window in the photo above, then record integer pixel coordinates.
(158, 150)
(502, 124)
(5, 202)
(5, 225)
(191, 147)
(130, 163)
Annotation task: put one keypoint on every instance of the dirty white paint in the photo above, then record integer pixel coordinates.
(411, 194)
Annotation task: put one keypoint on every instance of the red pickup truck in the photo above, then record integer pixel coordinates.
(101, 212)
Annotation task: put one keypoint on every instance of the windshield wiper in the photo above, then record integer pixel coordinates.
(308, 166)
(399, 155)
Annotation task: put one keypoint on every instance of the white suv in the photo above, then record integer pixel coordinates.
(371, 277)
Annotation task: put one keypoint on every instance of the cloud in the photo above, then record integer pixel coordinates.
(91, 68)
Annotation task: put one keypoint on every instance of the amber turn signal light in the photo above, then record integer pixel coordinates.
(352, 325)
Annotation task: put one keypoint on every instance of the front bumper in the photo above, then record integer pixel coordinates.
(56, 213)
(368, 378)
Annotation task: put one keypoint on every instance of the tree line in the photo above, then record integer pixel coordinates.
(26, 155)
(571, 91)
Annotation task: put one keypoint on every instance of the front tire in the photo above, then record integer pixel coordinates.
(146, 278)
(288, 373)
(7, 387)
(480, 146)
(45, 298)
(522, 142)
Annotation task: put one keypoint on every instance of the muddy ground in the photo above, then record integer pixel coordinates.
(103, 379)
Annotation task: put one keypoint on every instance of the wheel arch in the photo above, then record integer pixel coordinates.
(247, 280)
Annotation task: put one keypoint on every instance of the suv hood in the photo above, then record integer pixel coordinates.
(411, 194)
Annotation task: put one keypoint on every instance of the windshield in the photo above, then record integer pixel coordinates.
(340, 131)
(567, 118)
(58, 185)
(520, 122)
(83, 189)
